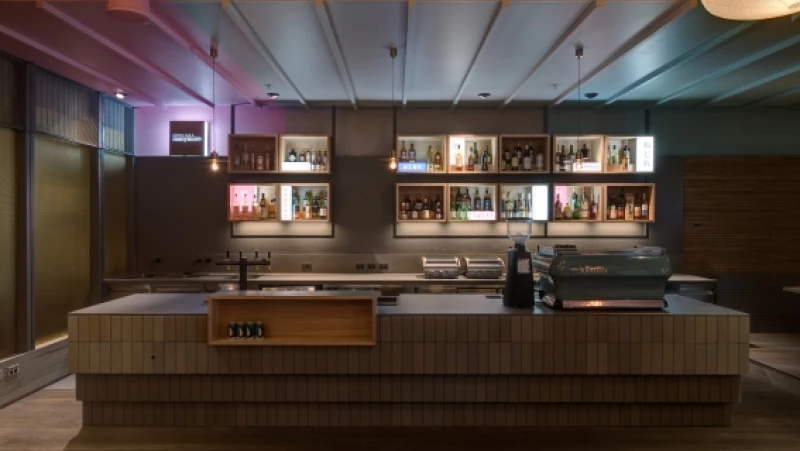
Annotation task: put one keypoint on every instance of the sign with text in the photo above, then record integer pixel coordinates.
(645, 154)
(188, 138)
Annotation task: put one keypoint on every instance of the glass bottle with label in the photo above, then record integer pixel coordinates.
(571, 159)
(487, 201)
(429, 159)
(237, 158)
(438, 208)
(488, 155)
(324, 160)
(292, 157)
(437, 159)
(470, 162)
(315, 206)
(263, 204)
(260, 161)
(637, 207)
(626, 159)
(505, 161)
(453, 205)
(509, 205)
(236, 208)
(612, 208)
(272, 210)
(323, 205)
(459, 159)
(403, 152)
(576, 205)
(558, 208)
(412, 154)
(593, 209)
(539, 159)
(477, 201)
(527, 159)
(645, 208)
(585, 207)
(245, 158)
(621, 205)
(485, 160)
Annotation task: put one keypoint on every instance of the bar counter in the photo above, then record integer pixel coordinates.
(438, 360)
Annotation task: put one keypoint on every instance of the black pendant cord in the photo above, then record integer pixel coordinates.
(579, 55)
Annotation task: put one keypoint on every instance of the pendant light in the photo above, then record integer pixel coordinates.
(214, 155)
(393, 154)
(751, 9)
(579, 56)
(131, 11)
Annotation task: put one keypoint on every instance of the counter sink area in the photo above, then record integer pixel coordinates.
(436, 360)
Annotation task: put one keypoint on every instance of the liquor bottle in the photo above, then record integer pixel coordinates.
(324, 160)
(485, 160)
(245, 207)
(539, 159)
(560, 160)
(585, 206)
(579, 160)
(403, 152)
(470, 162)
(268, 160)
(253, 160)
(453, 205)
(308, 205)
(477, 202)
(520, 206)
(429, 159)
(505, 162)
(272, 210)
(263, 205)
(645, 208)
(614, 156)
(488, 155)
(303, 157)
(612, 207)
(245, 158)
(529, 206)
(593, 210)
(503, 167)
(459, 159)
(567, 211)
(260, 161)
(237, 158)
(558, 209)
(571, 159)
(323, 205)
(295, 204)
(426, 203)
(315, 208)
(236, 208)
(418, 202)
(438, 208)
(509, 205)
(314, 166)
(487, 201)
(412, 154)
(629, 207)
(518, 152)
(515, 159)
(576, 205)
(621, 205)
(637, 207)
(626, 159)
(585, 153)
(527, 159)
(406, 204)
(437, 159)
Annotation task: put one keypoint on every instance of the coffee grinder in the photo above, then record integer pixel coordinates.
(518, 292)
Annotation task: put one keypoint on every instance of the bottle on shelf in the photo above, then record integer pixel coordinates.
(626, 158)
(323, 205)
(515, 158)
(489, 155)
(324, 160)
(314, 161)
(245, 159)
(529, 205)
(260, 161)
(621, 205)
(459, 158)
(236, 208)
(429, 159)
(308, 203)
(612, 156)
(292, 156)
(315, 207)
(418, 203)
(612, 208)
(272, 210)
(470, 162)
(487, 201)
(539, 159)
(578, 160)
(576, 205)
(561, 160)
(585, 207)
(477, 201)
(571, 159)
(438, 207)
(505, 161)
(586, 153)
(527, 159)
(454, 205)
(437, 159)
(629, 208)
(520, 206)
(412, 154)
(403, 152)
(303, 157)
(645, 208)
(427, 206)
(486, 160)
(558, 208)
(593, 209)
(237, 158)
(637, 207)
(264, 214)
(295, 204)
(509, 205)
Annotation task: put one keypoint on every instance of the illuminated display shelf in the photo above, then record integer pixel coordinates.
(606, 154)
(461, 144)
(539, 144)
(482, 190)
(314, 149)
(641, 154)
(246, 151)
(593, 159)
(537, 196)
(421, 143)
(410, 191)
(284, 208)
(563, 195)
(633, 193)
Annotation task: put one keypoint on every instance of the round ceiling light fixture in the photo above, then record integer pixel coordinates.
(590, 95)
(131, 11)
(120, 95)
(272, 95)
(484, 95)
(751, 9)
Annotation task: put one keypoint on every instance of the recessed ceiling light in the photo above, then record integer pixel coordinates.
(273, 95)
(484, 95)
(120, 95)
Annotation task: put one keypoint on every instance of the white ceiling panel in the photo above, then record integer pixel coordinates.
(673, 41)
(216, 23)
(365, 32)
(754, 40)
(522, 36)
(607, 29)
(447, 37)
(293, 34)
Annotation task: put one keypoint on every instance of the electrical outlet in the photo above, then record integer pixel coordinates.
(12, 371)
(305, 267)
(359, 266)
(383, 266)
(371, 266)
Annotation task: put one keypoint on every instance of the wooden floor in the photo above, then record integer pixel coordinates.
(768, 419)
(776, 358)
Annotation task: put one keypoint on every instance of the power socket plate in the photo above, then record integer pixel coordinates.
(305, 267)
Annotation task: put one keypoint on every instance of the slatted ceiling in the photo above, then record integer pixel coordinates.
(113, 125)
(64, 109)
(8, 238)
(61, 233)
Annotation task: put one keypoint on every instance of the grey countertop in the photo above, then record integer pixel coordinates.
(352, 278)
(408, 304)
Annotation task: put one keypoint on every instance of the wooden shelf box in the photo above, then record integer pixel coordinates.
(586, 193)
(295, 318)
(487, 195)
(305, 154)
(424, 163)
(406, 195)
(538, 161)
(305, 202)
(461, 146)
(245, 202)
(535, 200)
(252, 154)
(589, 154)
(634, 197)
(629, 154)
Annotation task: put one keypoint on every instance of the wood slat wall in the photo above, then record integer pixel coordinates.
(741, 227)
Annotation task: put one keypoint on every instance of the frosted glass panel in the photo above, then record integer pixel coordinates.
(7, 242)
(61, 233)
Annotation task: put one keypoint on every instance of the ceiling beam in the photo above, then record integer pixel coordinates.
(752, 85)
(76, 64)
(780, 95)
(638, 39)
(407, 61)
(498, 11)
(590, 8)
(336, 49)
(258, 44)
(173, 31)
(679, 61)
(786, 43)
(123, 52)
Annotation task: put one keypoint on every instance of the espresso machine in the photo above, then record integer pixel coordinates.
(518, 292)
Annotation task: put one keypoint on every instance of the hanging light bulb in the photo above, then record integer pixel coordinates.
(751, 9)
(214, 154)
(214, 161)
(393, 153)
(393, 161)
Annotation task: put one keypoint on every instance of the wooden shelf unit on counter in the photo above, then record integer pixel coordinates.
(295, 318)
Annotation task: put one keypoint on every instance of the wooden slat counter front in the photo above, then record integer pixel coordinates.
(440, 360)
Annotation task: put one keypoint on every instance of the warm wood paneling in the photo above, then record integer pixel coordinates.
(739, 216)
